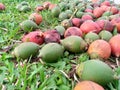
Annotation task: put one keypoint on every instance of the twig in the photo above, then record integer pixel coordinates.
(117, 62)
(16, 41)
(4, 87)
(73, 13)
(5, 29)
(41, 61)
(64, 74)
(75, 77)
(76, 9)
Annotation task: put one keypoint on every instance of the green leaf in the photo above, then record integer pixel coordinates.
(59, 65)
(2, 40)
(2, 77)
(83, 57)
(64, 87)
(10, 87)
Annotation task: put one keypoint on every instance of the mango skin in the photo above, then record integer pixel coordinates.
(51, 52)
(28, 25)
(96, 71)
(105, 35)
(26, 50)
(56, 11)
(90, 37)
(74, 44)
(88, 85)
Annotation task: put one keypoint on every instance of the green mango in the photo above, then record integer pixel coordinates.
(107, 13)
(96, 71)
(79, 14)
(81, 7)
(24, 8)
(60, 29)
(66, 23)
(105, 35)
(74, 44)
(51, 52)
(28, 25)
(69, 13)
(63, 16)
(26, 50)
(56, 11)
(62, 6)
(90, 37)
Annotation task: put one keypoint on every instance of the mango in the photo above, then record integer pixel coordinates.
(96, 71)
(51, 52)
(74, 44)
(28, 25)
(26, 50)
(56, 11)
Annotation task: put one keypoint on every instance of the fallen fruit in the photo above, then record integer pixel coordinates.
(88, 10)
(105, 35)
(26, 50)
(79, 14)
(116, 23)
(115, 45)
(2, 7)
(90, 37)
(107, 13)
(36, 17)
(69, 13)
(46, 4)
(113, 9)
(51, 6)
(98, 12)
(88, 85)
(56, 11)
(60, 29)
(99, 49)
(96, 71)
(28, 25)
(51, 52)
(24, 3)
(63, 16)
(90, 26)
(51, 36)
(105, 25)
(35, 36)
(77, 22)
(66, 23)
(73, 31)
(74, 44)
(39, 8)
(87, 17)
(25, 8)
(106, 3)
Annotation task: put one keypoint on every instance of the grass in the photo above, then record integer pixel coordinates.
(22, 75)
(16, 74)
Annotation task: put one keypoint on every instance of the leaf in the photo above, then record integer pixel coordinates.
(2, 40)
(66, 53)
(59, 65)
(64, 87)
(10, 87)
(37, 70)
(83, 57)
(3, 69)
(71, 56)
(2, 76)
(42, 75)
(117, 70)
